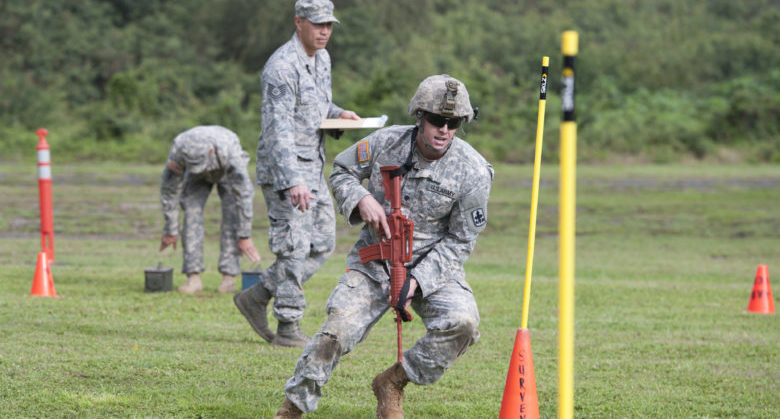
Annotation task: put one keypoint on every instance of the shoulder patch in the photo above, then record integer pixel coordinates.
(478, 217)
(276, 92)
(363, 151)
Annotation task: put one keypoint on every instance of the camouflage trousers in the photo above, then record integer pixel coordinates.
(195, 192)
(301, 241)
(356, 304)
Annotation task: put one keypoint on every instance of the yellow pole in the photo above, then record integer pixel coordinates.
(568, 179)
(529, 265)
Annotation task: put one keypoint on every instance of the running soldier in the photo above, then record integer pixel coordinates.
(445, 188)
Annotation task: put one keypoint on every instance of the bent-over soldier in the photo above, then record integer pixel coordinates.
(200, 158)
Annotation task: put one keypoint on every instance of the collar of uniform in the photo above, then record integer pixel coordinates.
(303, 59)
(424, 168)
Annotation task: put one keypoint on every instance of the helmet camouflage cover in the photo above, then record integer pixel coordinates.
(444, 95)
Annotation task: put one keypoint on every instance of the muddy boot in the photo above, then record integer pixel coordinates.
(389, 391)
(252, 303)
(191, 285)
(290, 334)
(227, 285)
(288, 411)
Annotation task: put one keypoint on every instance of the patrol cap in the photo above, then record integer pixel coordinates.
(444, 95)
(197, 156)
(317, 11)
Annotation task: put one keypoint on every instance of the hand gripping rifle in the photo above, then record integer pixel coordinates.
(397, 248)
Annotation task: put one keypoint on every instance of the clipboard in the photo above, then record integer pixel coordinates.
(344, 124)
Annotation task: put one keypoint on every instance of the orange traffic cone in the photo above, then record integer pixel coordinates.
(761, 300)
(43, 282)
(520, 399)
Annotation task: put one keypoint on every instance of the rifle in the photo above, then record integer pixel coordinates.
(397, 248)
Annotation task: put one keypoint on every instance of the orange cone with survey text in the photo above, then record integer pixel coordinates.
(43, 282)
(761, 300)
(520, 399)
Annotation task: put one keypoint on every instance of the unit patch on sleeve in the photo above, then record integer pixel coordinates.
(276, 92)
(478, 217)
(362, 151)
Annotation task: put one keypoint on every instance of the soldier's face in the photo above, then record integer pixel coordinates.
(432, 141)
(313, 36)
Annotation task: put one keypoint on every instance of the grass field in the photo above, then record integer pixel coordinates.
(666, 257)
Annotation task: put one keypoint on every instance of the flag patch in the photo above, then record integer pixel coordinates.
(362, 151)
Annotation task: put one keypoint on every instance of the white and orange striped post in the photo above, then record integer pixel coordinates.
(44, 195)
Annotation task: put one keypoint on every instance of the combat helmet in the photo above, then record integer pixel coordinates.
(444, 95)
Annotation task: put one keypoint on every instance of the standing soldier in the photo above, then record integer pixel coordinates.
(290, 160)
(445, 188)
(200, 158)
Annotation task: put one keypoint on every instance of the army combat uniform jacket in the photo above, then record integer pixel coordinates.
(208, 156)
(445, 198)
(190, 151)
(291, 151)
(296, 98)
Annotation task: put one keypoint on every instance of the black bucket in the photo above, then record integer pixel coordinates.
(158, 279)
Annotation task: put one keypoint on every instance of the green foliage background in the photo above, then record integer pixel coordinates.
(657, 81)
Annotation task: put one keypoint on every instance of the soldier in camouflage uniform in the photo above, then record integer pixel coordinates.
(444, 192)
(296, 86)
(200, 158)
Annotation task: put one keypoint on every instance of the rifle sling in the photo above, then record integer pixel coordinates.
(400, 309)
(402, 296)
(408, 165)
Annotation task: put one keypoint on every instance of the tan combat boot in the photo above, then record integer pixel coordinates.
(252, 303)
(290, 334)
(389, 391)
(191, 285)
(227, 285)
(288, 411)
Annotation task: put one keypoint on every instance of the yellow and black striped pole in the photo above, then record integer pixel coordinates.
(566, 222)
(520, 399)
(529, 266)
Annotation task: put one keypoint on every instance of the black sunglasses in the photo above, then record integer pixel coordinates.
(438, 121)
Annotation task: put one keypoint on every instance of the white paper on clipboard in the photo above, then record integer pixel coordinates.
(339, 123)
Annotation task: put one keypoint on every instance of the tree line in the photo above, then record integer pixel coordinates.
(658, 80)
